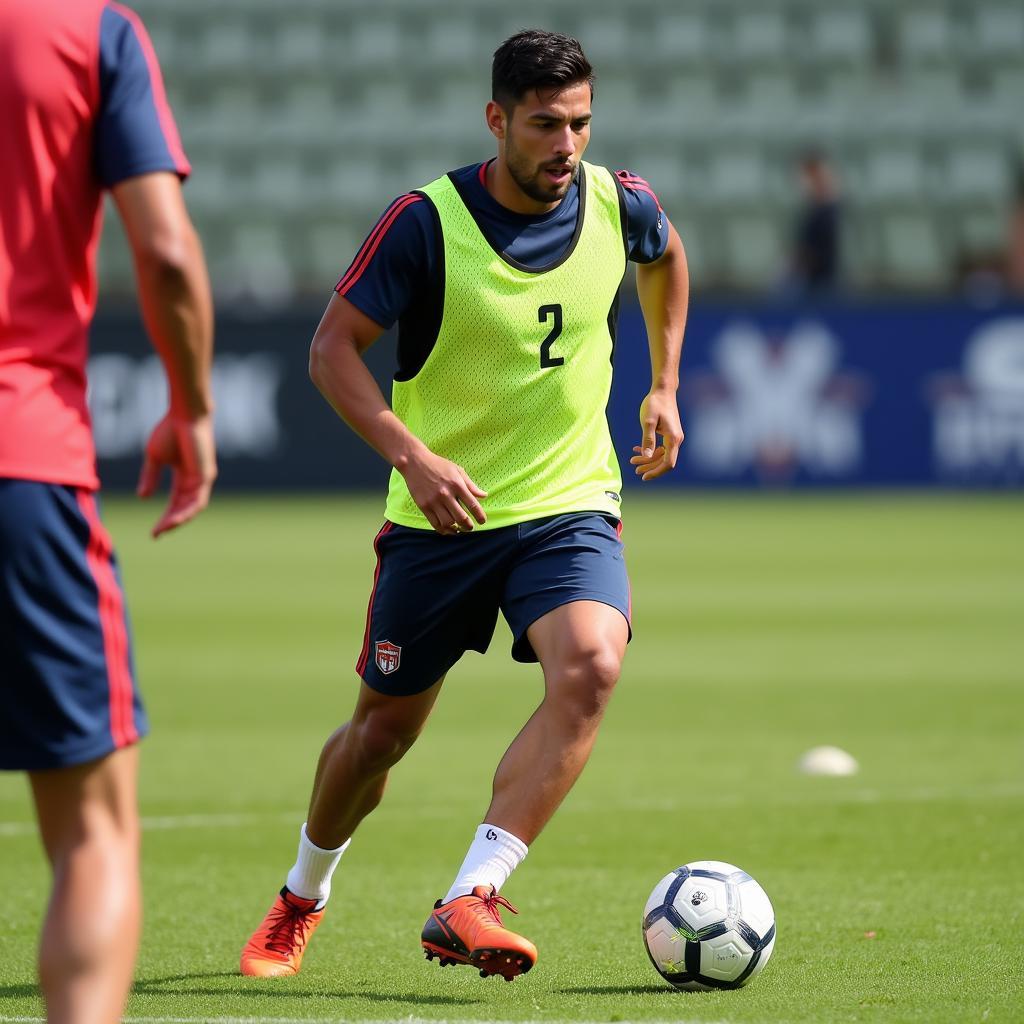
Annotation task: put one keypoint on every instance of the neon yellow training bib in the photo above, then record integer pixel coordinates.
(516, 387)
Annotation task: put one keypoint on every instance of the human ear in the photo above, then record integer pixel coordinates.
(497, 119)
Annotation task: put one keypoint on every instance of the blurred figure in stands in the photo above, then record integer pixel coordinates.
(816, 241)
(1015, 239)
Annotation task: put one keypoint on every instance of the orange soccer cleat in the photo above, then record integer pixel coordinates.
(276, 947)
(468, 930)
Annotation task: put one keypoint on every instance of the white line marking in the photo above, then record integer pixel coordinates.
(822, 793)
(174, 822)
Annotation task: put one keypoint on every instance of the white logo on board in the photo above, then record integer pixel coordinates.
(777, 405)
(127, 395)
(978, 425)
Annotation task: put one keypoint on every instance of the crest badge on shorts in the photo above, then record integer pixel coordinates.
(388, 656)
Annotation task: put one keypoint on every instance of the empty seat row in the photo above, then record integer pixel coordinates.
(272, 263)
(285, 186)
(690, 107)
(300, 36)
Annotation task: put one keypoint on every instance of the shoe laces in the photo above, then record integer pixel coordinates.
(289, 929)
(492, 901)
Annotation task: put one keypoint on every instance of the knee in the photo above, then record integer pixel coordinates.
(380, 742)
(587, 679)
(95, 905)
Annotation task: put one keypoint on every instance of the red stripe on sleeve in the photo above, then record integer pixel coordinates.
(637, 184)
(365, 254)
(163, 108)
(112, 625)
(365, 652)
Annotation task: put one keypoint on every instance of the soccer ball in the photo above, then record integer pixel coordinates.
(708, 925)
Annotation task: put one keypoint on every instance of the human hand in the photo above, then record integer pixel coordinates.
(444, 492)
(187, 447)
(659, 415)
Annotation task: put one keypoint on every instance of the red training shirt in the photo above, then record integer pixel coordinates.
(82, 107)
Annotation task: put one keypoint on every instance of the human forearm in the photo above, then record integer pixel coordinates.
(663, 289)
(174, 295)
(337, 368)
(442, 490)
(173, 286)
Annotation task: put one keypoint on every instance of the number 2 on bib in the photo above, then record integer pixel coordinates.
(553, 312)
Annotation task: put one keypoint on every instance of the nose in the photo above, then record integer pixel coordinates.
(564, 144)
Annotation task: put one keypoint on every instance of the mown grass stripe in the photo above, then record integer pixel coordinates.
(337, 1020)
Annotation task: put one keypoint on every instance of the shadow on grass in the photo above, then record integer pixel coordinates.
(619, 990)
(19, 990)
(261, 990)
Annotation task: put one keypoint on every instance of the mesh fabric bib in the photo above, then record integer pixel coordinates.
(516, 385)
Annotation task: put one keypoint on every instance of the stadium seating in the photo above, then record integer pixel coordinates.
(304, 119)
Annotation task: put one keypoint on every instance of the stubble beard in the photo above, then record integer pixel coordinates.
(529, 179)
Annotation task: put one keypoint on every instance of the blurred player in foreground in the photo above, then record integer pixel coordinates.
(83, 108)
(503, 277)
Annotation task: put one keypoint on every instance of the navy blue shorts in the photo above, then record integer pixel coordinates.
(67, 690)
(435, 597)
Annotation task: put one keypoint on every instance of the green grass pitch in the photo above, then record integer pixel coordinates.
(892, 626)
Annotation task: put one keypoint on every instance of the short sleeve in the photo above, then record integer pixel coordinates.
(394, 263)
(135, 131)
(646, 223)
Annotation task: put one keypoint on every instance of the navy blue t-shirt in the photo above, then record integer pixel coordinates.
(393, 272)
(134, 131)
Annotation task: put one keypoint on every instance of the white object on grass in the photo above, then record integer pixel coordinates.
(828, 761)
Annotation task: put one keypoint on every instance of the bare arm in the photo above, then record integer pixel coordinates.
(663, 288)
(174, 294)
(442, 490)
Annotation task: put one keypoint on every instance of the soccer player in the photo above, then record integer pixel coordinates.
(503, 277)
(82, 108)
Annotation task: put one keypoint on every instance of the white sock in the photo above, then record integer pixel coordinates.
(310, 878)
(494, 855)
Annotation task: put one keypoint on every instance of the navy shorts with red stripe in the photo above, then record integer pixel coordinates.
(435, 596)
(67, 690)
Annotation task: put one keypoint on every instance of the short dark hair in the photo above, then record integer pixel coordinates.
(535, 59)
